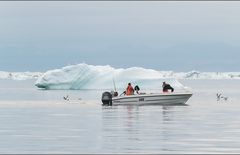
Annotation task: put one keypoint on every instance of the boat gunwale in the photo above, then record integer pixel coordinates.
(151, 95)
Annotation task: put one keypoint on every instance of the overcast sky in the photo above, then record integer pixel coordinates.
(178, 36)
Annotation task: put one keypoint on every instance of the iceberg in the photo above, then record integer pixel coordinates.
(84, 76)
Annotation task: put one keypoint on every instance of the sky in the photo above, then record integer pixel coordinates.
(176, 36)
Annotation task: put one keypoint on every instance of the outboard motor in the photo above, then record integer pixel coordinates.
(107, 98)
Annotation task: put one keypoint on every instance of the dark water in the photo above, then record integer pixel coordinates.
(37, 121)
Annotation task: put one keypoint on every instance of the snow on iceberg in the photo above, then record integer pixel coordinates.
(83, 76)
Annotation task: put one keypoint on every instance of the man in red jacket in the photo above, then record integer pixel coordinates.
(130, 90)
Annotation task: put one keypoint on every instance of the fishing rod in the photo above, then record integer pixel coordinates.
(115, 89)
(114, 84)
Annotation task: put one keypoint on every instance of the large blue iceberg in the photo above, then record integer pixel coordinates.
(84, 76)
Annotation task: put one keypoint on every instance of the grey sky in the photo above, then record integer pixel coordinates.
(178, 36)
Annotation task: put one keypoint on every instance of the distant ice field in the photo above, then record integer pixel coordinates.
(84, 76)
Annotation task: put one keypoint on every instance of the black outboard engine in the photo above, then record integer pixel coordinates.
(107, 98)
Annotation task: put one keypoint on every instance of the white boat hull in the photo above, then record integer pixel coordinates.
(153, 99)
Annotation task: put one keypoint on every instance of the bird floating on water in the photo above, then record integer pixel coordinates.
(66, 98)
(219, 97)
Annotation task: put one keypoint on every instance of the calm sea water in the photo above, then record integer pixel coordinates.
(40, 121)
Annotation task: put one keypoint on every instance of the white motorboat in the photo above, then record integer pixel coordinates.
(147, 99)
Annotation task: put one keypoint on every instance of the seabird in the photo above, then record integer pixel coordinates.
(66, 98)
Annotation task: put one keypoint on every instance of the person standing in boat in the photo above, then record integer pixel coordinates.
(136, 88)
(166, 87)
(129, 90)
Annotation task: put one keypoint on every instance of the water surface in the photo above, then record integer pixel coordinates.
(40, 121)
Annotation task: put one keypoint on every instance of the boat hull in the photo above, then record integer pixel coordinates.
(153, 99)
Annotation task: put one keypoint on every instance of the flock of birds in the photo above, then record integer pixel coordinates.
(219, 97)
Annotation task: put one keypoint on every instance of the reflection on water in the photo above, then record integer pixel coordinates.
(138, 128)
(168, 129)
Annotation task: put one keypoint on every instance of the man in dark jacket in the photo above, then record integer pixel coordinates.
(167, 86)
